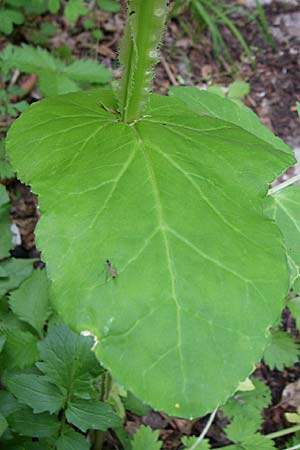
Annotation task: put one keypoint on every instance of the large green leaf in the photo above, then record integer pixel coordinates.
(71, 440)
(17, 270)
(8, 403)
(35, 391)
(206, 103)
(284, 208)
(20, 348)
(31, 301)
(68, 361)
(91, 414)
(196, 272)
(26, 423)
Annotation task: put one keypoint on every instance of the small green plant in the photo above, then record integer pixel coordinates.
(15, 12)
(235, 91)
(52, 380)
(41, 35)
(9, 17)
(54, 76)
(8, 107)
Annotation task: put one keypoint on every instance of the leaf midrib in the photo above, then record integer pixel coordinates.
(163, 228)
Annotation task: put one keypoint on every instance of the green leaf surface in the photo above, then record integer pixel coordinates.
(55, 83)
(88, 71)
(74, 9)
(4, 197)
(188, 441)
(203, 102)
(5, 233)
(53, 6)
(123, 437)
(19, 443)
(2, 342)
(42, 35)
(282, 350)
(8, 403)
(256, 442)
(55, 77)
(249, 404)
(36, 392)
(3, 273)
(8, 320)
(71, 440)
(26, 423)
(237, 410)
(9, 18)
(238, 89)
(109, 5)
(6, 170)
(30, 302)
(3, 424)
(147, 439)
(20, 349)
(17, 270)
(284, 208)
(28, 58)
(68, 360)
(240, 429)
(294, 306)
(174, 202)
(135, 405)
(91, 414)
(292, 417)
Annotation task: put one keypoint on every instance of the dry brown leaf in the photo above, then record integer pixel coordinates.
(291, 394)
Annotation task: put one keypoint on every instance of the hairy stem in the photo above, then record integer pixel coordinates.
(138, 53)
(283, 432)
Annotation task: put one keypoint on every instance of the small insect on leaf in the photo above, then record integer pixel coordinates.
(111, 269)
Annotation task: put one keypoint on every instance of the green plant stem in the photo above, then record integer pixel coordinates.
(62, 423)
(283, 185)
(138, 53)
(295, 447)
(98, 435)
(205, 430)
(283, 432)
(106, 385)
(98, 440)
